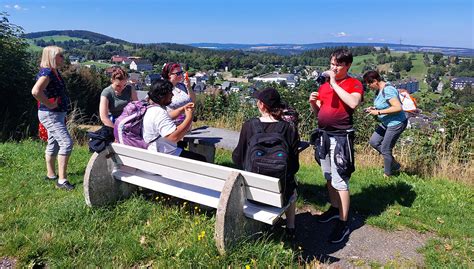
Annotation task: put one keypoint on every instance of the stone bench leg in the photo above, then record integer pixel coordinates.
(100, 187)
(208, 151)
(231, 223)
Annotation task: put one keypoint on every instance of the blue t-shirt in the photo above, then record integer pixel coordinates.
(381, 102)
(56, 89)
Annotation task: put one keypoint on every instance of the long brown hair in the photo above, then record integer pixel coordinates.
(276, 112)
(119, 74)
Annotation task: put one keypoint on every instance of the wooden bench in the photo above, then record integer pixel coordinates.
(244, 201)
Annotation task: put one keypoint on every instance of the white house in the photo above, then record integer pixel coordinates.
(141, 65)
(461, 82)
(290, 79)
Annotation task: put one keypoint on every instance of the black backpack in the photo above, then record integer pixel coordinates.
(100, 139)
(267, 153)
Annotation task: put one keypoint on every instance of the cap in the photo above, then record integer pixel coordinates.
(269, 96)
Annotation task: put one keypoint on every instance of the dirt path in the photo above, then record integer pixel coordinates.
(366, 245)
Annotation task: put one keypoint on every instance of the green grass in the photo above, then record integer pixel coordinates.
(97, 64)
(32, 46)
(60, 38)
(40, 225)
(358, 63)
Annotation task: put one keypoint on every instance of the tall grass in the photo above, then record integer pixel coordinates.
(42, 226)
(446, 163)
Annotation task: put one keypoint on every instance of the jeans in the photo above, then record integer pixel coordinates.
(383, 140)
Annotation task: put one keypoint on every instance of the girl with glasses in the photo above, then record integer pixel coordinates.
(182, 90)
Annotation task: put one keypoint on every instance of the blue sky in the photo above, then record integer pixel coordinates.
(418, 22)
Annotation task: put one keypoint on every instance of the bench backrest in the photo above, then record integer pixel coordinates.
(260, 188)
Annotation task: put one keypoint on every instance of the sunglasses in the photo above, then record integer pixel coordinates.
(178, 73)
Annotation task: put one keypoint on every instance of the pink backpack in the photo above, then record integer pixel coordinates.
(128, 128)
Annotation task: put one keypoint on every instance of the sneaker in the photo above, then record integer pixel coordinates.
(396, 166)
(340, 232)
(51, 178)
(66, 185)
(332, 213)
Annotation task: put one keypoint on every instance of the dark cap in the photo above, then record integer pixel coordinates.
(269, 96)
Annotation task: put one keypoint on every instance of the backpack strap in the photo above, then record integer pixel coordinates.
(257, 126)
(282, 127)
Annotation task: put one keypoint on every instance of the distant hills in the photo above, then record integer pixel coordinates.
(77, 34)
(291, 49)
(281, 49)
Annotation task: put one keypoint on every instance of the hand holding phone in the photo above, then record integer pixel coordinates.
(368, 109)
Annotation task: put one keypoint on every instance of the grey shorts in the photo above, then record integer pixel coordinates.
(59, 140)
(328, 166)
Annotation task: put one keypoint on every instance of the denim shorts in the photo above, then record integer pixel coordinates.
(59, 139)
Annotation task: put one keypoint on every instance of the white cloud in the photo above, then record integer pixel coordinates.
(382, 39)
(340, 34)
(370, 38)
(16, 6)
(43, 7)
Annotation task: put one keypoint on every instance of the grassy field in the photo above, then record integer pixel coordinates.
(40, 225)
(358, 63)
(60, 38)
(56, 38)
(97, 64)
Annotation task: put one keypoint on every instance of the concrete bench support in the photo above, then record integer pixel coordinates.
(231, 223)
(100, 187)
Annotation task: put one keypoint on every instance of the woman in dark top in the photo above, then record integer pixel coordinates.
(53, 102)
(271, 111)
(115, 97)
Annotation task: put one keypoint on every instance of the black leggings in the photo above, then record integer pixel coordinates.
(192, 155)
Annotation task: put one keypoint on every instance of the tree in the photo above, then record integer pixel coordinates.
(17, 106)
(212, 80)
(396, 67)
(437, 58)
(434, 85)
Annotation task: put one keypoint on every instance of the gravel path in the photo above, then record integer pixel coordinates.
(366, 245)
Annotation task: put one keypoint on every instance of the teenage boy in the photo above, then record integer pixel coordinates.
(333, 105)
(159, 129)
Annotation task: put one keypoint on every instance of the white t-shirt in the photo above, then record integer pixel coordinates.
(180, 98)
(157, 122)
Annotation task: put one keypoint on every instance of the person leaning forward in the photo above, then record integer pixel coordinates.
(333, 105)
(159, 129)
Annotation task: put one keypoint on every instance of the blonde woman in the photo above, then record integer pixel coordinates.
(50, 92)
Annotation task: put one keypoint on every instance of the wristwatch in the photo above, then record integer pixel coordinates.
(378, 112)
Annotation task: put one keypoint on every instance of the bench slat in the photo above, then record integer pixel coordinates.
(262, 213)
(254, 180)
(262, 196)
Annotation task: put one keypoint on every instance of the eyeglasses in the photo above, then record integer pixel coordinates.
(178, 73)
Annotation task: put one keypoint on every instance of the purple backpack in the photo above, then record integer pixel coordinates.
(128, 128)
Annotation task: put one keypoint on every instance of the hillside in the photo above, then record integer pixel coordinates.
(292, 49)
(78, 34)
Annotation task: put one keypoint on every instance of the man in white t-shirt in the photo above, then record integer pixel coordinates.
(159, 128)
